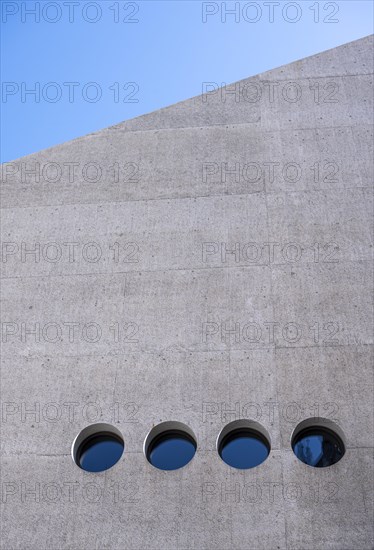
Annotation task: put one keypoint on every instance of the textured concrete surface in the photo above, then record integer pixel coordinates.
(207, 262)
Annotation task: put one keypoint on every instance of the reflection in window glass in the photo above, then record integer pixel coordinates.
(318, 447)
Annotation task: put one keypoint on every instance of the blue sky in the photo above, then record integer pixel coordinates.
(94, 64)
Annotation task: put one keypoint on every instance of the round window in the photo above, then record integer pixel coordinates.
(243, 444)
(318, 444)
(98, 447)
(170, 445)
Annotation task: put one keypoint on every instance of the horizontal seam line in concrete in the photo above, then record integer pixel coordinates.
(106, 131)
(256, 78)
(262, 79)
(103, 202)
(186, 269)
(117, 126)
(227, 124)
(162, 352)
(199, 450)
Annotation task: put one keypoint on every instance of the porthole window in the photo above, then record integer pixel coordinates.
(243, 444)
(98, 447)
(318, 443)
(170, 445)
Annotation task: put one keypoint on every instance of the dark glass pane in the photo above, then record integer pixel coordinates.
(244, 449)
(171, 451)
(318, 447)
(100, 452)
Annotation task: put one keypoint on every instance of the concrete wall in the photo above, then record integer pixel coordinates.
(135, 329)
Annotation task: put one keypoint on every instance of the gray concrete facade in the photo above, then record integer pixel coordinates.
(207, 262)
